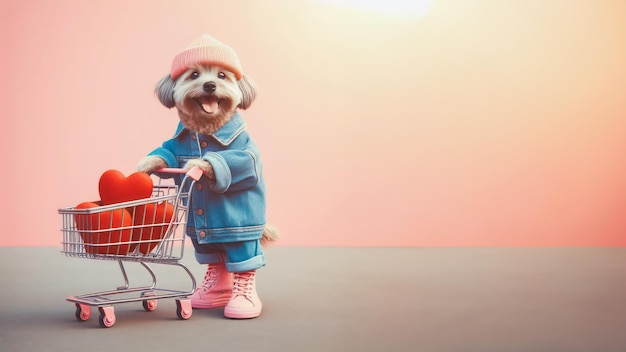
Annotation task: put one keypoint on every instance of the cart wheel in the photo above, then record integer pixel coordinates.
(83, 312)
(150, 305)
(183, 309)
(107, 316)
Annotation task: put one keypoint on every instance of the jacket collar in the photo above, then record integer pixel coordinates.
(225, 135)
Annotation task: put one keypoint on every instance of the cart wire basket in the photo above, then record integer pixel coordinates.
(144, 231)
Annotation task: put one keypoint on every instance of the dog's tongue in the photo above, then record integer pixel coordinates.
(209, 104)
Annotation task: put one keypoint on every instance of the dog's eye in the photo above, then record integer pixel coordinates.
(194, 75)
(221, 75)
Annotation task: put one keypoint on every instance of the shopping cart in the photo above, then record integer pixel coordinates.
(143, 231)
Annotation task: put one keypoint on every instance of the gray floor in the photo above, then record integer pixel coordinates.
(338, 299)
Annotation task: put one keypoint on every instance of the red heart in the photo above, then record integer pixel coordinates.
(158, 216)
(91, 226)
(114, 187)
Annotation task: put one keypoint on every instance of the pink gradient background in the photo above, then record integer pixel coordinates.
(482, 123)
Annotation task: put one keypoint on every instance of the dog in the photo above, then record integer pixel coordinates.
(206, 97)
(226, 215)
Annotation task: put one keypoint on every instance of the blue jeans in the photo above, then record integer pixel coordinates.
(238, 256)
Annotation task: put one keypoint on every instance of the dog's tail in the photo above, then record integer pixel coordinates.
(269, 235)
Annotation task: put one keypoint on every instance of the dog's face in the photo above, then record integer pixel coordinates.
(206, 96)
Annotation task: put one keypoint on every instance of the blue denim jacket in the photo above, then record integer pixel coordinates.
(232, 209)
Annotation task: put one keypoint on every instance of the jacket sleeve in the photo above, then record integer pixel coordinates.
(167, 150)
(235, 170)
(165, 153)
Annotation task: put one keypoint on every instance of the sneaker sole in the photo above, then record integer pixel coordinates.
(238, 314)
(213, 304)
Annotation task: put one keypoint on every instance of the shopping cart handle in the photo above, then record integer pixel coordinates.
(195, 172)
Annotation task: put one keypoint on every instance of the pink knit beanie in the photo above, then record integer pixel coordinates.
(206, 50)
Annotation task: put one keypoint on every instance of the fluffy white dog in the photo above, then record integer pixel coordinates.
(226, 217)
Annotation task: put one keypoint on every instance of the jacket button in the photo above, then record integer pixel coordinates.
(204, 144)
(199, 186)
(199, 212)
(202, 234)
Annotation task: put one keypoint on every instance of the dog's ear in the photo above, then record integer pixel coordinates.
(164, 90)
(248, 92)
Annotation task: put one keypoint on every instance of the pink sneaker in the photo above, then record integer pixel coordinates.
(245, 303)
(216, 288)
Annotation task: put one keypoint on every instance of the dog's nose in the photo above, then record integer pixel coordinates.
(209, 87)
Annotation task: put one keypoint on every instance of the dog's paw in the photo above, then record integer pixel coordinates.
(202, 164)
(150, 164)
